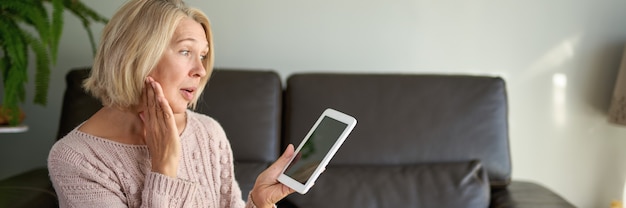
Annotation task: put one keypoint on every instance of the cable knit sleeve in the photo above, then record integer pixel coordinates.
(163, 191)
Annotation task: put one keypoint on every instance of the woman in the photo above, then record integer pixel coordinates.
(144, 148)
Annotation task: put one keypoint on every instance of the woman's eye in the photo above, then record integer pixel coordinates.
(202, 57)
(184, 52)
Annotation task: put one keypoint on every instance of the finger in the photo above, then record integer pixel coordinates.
(145, 114)
(158, 102)
(146, 100)
(163, 104)
(267, 188)
(153, 111)
(150, 98)
(146, 85)
(288, 152)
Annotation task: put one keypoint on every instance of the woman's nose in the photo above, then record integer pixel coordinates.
(198, 68)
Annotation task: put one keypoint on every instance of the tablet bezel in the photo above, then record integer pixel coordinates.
(330, 113)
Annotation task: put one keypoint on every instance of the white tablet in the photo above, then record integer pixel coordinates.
(316, 150)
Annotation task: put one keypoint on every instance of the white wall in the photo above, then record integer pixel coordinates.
(559, 58)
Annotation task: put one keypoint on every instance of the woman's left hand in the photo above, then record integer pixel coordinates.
(267, 189)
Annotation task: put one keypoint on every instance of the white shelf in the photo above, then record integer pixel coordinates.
(13, 129)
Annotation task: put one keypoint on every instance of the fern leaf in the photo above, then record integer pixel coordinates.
(32, 13)
(90, 13)
(40, 20)
(13, 86)
(3, 64)
(15, 44)
(4, 58)
(57, 28)
(42, 72)
(84, 13)
(16, 58)
(14, 76)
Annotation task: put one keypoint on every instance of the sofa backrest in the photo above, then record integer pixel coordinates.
(235, 98)
(407, 119)
(78, 105)
(247, 103)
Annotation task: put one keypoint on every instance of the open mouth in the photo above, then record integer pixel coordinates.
(188, 93)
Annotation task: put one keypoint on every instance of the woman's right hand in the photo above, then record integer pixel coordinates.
(160, 131)
(267, 190)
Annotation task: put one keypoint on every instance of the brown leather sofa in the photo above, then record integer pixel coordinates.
(421, 140)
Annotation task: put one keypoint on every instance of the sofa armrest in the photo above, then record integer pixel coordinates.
(29, 189)
(521, 194)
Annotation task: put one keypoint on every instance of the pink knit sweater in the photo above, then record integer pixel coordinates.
(89, 171)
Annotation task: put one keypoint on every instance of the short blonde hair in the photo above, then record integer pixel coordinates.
(132, 44)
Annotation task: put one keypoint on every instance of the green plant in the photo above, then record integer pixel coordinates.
(17, 19)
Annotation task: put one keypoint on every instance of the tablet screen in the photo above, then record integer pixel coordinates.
(314, 150)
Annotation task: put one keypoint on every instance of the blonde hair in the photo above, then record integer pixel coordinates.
(132, 44)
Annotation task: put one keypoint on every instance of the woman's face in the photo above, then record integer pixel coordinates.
(180, 69)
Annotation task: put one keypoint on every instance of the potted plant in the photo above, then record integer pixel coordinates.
(24, 25)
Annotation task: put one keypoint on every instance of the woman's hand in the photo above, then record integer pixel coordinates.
(267, 190)
(160, 131)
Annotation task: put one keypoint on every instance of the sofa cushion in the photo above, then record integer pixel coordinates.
(524, 194)
(458, 184)
(408, 119)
